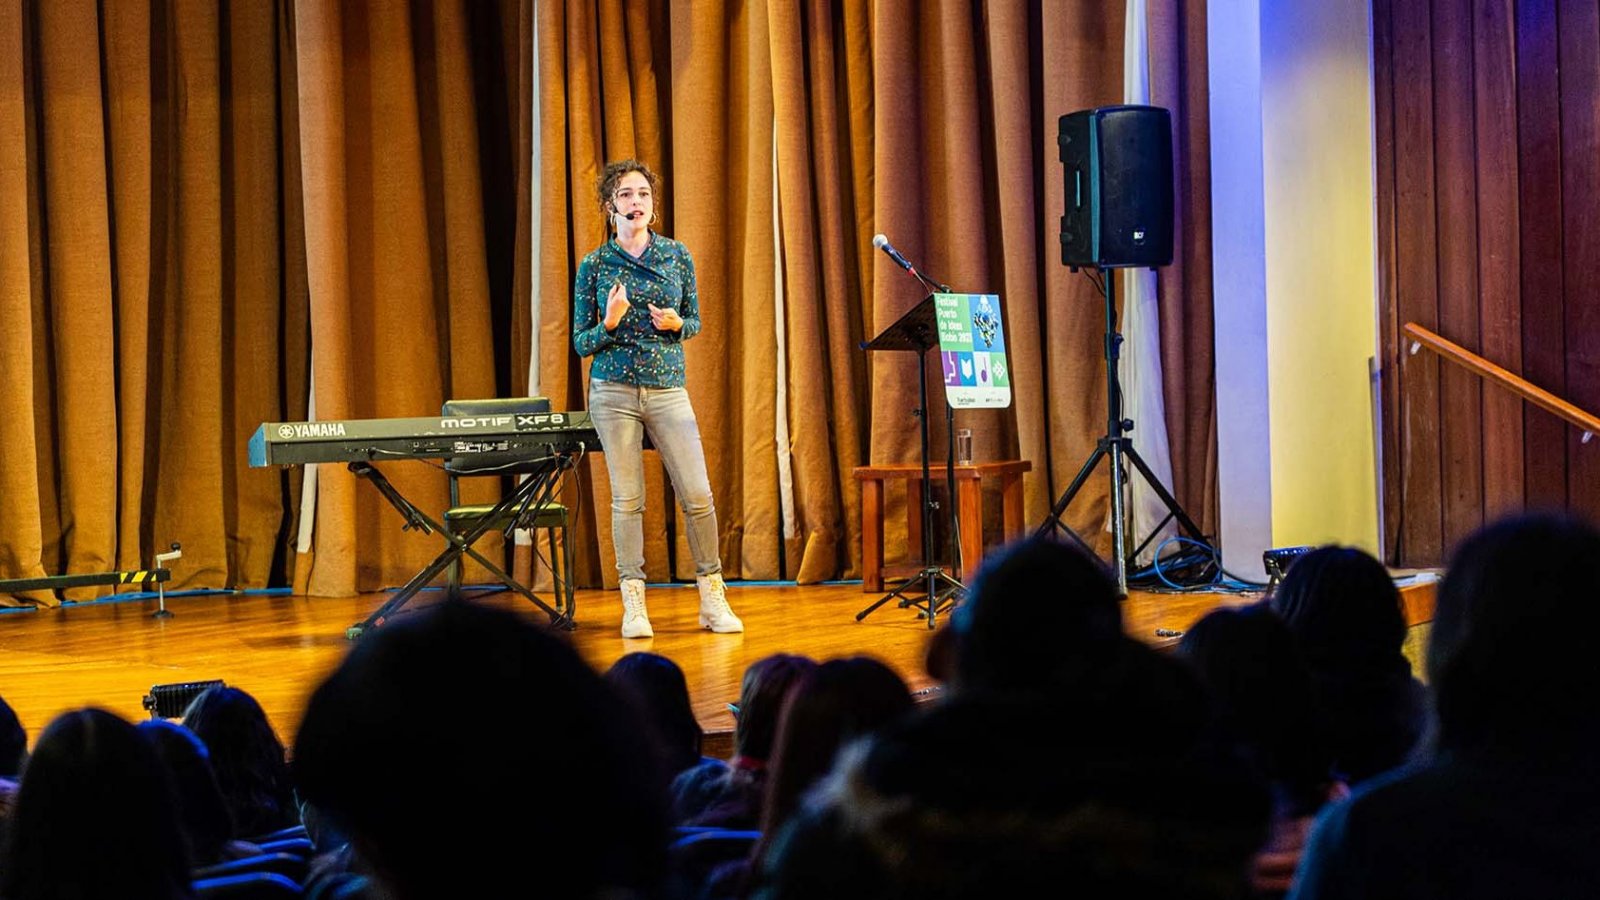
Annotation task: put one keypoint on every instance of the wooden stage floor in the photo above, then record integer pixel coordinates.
(278, 648)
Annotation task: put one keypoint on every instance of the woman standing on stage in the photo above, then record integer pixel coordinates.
(634, 304)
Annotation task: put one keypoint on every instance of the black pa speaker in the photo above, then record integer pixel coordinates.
(1118, 162)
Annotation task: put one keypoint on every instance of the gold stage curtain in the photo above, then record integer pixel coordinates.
(215, 215)
(151, 309)
(189, 192)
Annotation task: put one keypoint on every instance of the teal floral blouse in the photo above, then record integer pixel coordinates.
(636, 352)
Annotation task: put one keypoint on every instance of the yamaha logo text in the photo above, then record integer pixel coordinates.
(303, 430)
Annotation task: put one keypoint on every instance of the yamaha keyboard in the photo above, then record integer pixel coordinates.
(431, 437)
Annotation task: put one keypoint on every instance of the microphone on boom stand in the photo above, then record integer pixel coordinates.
(882, 243)
(932, 590)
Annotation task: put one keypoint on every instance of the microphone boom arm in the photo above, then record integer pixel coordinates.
(882, 243)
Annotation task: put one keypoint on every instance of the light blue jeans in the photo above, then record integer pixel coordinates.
(622, 414)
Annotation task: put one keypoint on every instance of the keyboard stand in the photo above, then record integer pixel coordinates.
(531, 492)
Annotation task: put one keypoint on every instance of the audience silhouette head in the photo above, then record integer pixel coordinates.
(831, 705)
(1039, 612)
(94, 816)
(1263, 693)
(247, 757)
(13, 742)
(202, 811)
(761, 694)
(1345, 613)
(1511, 672)
(465, 750)
(1342, 604)
(656, 688)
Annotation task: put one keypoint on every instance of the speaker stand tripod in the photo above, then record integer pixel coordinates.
(932, 590)
(1118, 447)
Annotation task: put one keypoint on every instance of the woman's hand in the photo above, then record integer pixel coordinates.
(665, 318)
(616, 306)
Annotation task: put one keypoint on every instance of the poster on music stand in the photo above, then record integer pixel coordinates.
(972, 351)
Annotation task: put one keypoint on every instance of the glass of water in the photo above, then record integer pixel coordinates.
(964, 446)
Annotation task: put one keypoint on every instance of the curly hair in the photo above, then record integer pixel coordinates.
(606, 184)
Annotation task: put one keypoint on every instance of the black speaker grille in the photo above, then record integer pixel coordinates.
(1117, 167)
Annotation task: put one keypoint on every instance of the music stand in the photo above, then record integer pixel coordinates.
(917, 331)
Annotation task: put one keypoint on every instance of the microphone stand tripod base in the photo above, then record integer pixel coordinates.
(938, 593)
(1117, 449)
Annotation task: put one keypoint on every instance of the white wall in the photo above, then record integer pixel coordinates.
(1316, 103)
(1294, 260)
(1239, 286)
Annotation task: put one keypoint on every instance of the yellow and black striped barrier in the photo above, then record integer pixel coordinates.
(59, 582)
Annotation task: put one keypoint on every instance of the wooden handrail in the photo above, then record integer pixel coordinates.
(1472, 362)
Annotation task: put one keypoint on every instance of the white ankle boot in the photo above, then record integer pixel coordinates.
(635, 621)
(714, 611)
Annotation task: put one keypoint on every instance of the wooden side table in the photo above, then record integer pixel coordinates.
(969, 505)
